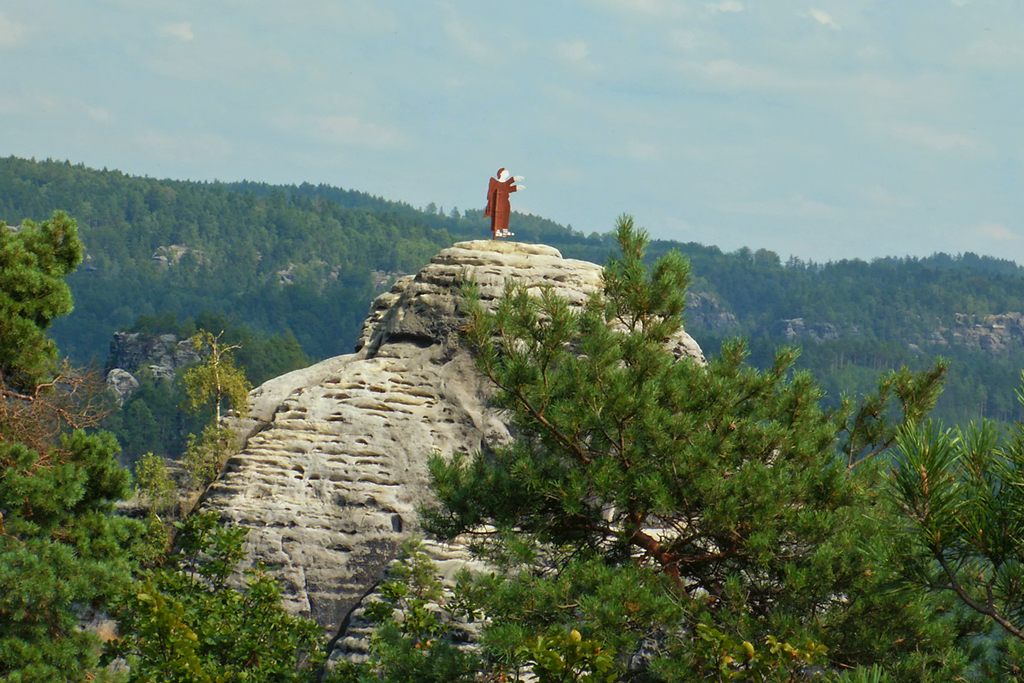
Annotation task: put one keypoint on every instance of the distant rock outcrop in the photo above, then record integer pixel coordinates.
(122, 384)
(162, 355)
(992, 333)
(705, 310)
(796, 330)
(333, 466)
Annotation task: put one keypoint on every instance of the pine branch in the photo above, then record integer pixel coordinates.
(988, 610)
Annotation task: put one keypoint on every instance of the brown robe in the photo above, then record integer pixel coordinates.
(498, 206)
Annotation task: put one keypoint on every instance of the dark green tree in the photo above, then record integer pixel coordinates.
(34, 260)
(723, 478)
(62, 549)
(958, 528)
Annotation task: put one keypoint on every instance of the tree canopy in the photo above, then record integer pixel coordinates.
(62, 551)
(664, 501)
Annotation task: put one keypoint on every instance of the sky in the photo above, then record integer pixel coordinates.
(821, 129)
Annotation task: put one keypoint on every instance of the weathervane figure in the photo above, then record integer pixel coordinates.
(498, 207)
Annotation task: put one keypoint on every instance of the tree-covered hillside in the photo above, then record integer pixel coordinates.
(309, 258)
(275, 258)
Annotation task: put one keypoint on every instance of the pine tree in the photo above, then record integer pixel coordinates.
(724, 480)
(34, 261)
(62, 550)
(958, 527)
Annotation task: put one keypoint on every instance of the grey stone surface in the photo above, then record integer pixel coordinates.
(161, 354)
(333, 465)
(121, 384)
(992, 333)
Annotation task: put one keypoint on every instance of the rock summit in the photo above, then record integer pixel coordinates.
(333, 465)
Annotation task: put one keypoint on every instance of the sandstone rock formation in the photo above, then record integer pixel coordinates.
(796, 329)
(161, 354)
(705, 310)
(121, 384)
(334, 461)
(992, 333)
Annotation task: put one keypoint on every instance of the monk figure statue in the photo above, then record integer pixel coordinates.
(498, 207)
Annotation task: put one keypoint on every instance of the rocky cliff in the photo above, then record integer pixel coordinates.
(334, 461)
(162, 355)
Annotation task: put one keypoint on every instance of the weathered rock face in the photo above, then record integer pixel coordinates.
(705, 310)
(334, 463)
(992, 333)
(796, 329)
(162, 354)
(121, 384)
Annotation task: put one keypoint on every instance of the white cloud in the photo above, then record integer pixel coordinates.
(640, 150)
(178, 147)
(662, 9)
(466, 38)
(12, 34)
(725, 6)
(823, 18)
(883, 197)
(994, 53)
(575, 51)
(97, 114)
(796, 206)
(181, 30)
(996, 231)
(936, 139)
(730, 74)
(342, 129)
(349, 130)
(37, 104)
(577, 54)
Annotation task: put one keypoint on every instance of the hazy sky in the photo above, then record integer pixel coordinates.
(818, 128)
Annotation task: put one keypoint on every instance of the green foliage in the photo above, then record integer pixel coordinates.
(216, 379)
(567, 657)
(723, 479)
(154, 484)
(185, 622)
(773, 661)
(412, 642)
(958, 496)
(205, 455)
(240, 236)
(238, 239)
(154, 418)
(33, 264)
(901, 398)
(61, 550)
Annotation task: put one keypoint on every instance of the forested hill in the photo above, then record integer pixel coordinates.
(309, 258)
(305, 258)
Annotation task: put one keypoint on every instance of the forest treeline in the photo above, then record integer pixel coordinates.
(307, 260)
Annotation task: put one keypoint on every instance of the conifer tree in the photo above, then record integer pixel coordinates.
(62, 550)
(34, 261)
(958, 527)
(725, 480)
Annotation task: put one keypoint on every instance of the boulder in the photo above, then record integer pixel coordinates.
(333, 466)
(121, 384)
